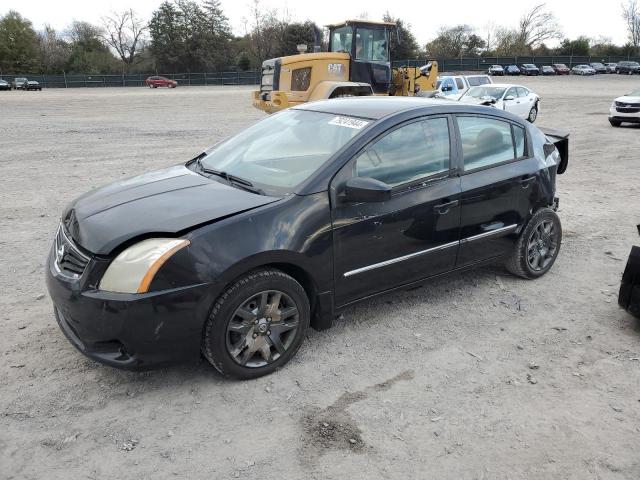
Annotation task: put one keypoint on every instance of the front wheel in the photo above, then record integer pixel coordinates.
(533, 114)
(538, 246)
(615, 123)
(257, 325)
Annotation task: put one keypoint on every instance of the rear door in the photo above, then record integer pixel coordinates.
(499, 182)
(414, 235)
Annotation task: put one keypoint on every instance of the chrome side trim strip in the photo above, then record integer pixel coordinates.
(490, 233)
(401, 259)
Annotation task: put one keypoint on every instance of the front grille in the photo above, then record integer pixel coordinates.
(69, 260)
(626, 107)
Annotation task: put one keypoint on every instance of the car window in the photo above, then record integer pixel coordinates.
(371, 44)
(459, 83)
(341, 39)
(519, 140)
(512, 92)
(485, 141)
(411, 152)
(475, 81)
(522, 92)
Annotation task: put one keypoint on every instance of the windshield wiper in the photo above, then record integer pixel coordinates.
(232, 179)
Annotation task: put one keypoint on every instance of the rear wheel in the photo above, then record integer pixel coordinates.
(538, 246)
(533, 113)
(256, 325)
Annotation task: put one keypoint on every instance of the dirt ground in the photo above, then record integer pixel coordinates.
(477, 376)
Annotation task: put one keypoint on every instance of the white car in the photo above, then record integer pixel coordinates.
(583, 70)
(625, 109)
(516, 99)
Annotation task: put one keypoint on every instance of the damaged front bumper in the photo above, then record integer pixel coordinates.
(629, 296)
(129, 331)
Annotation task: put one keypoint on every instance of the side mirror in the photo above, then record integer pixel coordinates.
(367, 190)
(509, 98)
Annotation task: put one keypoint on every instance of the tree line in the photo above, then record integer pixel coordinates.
(196, 36)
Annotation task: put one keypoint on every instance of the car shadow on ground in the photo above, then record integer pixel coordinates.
(438, 294)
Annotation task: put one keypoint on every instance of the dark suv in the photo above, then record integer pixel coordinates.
(236, 252)
(629, 68)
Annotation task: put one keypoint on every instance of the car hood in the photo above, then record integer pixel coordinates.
(164, 202)
(627, 99)
(477, 101)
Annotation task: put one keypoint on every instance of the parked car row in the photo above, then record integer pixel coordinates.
(20, 83)
(625, 67)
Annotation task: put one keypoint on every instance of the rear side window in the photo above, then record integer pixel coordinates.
(459, 83)
(522, 92)
(488, 141)
(519, 140)
(411, 152)
(475, 81)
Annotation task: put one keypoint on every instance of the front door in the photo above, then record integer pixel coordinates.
(499, 180)
(378, 246)
(515, 104)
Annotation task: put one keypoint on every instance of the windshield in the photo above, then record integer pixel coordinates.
(371, 44)
(485, 92)
(634, 93)
(282, 151)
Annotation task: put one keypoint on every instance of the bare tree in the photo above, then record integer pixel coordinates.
(631, 15)
(537, 26)
(489, 31)
(124, 32)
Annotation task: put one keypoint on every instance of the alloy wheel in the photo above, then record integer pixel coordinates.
(542, 245)
(262, 328)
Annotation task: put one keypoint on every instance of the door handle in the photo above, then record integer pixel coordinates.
(525, 182)
(444, 208)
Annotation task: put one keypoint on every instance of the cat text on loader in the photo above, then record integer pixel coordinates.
(357, 64)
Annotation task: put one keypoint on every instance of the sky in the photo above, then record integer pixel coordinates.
(577, 17)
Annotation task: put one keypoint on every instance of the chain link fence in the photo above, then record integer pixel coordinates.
(249, 77)
(252, 77)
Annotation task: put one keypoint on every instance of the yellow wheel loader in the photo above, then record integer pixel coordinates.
(357, 64)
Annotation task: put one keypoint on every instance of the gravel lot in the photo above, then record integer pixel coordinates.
(477, 376)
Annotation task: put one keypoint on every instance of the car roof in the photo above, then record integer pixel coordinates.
(501, 85)
(375, 108)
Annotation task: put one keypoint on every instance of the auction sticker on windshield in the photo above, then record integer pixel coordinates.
(349, 122)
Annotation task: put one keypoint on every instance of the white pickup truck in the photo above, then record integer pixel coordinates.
(452, 86)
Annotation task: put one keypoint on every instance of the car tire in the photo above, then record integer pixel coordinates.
(533, 114)
(538, 246)
(239, 328)
(615, 123)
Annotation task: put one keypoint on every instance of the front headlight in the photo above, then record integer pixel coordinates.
(133, 270)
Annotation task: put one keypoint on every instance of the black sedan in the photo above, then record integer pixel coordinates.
(4, 85)
(32, 85)
(238, 251)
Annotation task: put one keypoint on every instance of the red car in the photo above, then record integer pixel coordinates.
(561, 69)
(155, 82)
